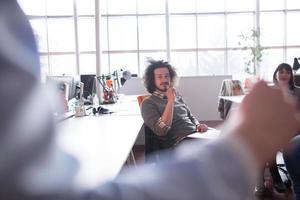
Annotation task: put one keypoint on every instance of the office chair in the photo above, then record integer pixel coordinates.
(286, 179)
(153, 143)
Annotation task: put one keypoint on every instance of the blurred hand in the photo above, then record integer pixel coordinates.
(266, 120)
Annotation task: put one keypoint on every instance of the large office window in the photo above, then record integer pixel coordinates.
(198, 37)
(65, 34)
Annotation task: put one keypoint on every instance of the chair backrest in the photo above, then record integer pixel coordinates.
(228, 88)
(141, 98)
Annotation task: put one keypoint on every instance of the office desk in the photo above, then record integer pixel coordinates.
(100, 143)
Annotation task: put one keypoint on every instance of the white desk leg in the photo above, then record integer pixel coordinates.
(132, 157)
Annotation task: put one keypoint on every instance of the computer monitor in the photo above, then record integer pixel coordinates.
(70, 81)
(80, 93)
(89, 84)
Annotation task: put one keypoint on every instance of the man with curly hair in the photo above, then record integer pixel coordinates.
(165, 111)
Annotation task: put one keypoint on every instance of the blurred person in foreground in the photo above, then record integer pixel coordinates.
(33, 167)
(283, 79)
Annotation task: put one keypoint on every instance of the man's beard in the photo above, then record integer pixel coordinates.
(165, 88)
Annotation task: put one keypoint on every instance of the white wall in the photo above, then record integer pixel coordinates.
(201, 94)
(133, 86)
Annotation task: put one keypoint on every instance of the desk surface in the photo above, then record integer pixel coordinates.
(211, 133)
(126, 105)
(100, 143)
(236, 99)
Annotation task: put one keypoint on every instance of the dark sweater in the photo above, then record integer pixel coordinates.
(183, 124)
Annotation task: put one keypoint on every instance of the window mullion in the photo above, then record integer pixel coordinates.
(77, 53)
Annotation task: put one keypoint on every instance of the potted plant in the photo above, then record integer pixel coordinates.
(250, 42)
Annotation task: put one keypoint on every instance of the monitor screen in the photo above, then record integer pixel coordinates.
(89, 84)
(69, 80)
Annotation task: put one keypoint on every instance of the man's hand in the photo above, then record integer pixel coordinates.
(171, 93)
(167, 116)
(201, 128)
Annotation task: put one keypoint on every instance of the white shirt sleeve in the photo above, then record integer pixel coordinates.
(220, 169)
